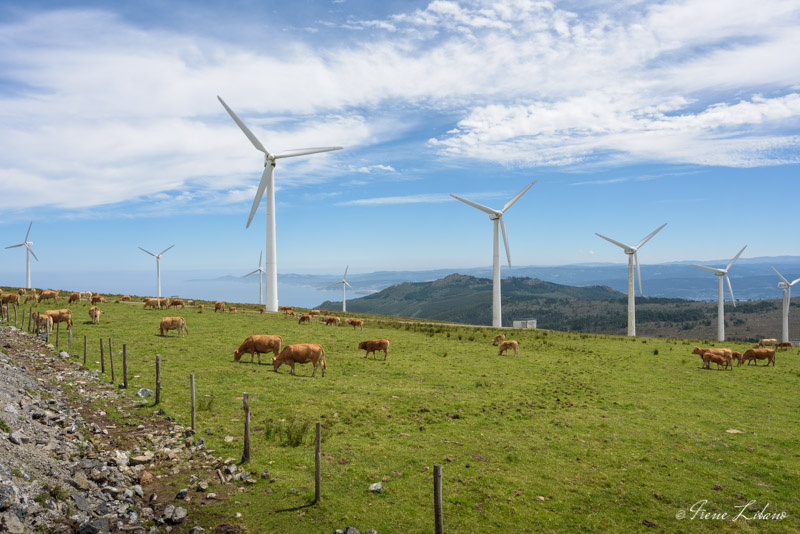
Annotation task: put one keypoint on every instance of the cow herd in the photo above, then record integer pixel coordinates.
(724, 357)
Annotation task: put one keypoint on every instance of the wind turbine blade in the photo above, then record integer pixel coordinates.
(649, 236)
(303, 151)
(260, 255)
(345, 273)
(140, 248)
(785, 281)
(348, 285)
(621, 245)
(265, 177)
(638, 272)
(29, 231)
(505, 240)
(517, 196)
(245, 129)
(735, 258)
(484, 209)
(248, 274)
(713, 270)
(15, 246)
(730, 288)
(793, 283)
(166, 249)
(32, 253)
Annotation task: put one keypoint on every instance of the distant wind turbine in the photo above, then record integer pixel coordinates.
(268, 183)
(497, 217)
(344, 283)
(633, 256)
(260, 272)
(158, 264)
(28, 253)
(722, 273)
(787, 298)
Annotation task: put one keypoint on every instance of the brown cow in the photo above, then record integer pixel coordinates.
(300, 353)
(151, 302)
(32, 296)
(759, 354)
(499, 338)
(262, 310)
(43, 322)
(313, 312)
(506, 345)
(125, 298)
(219, 306)
(289, 313)
(74, 297)
(176, 302)
(355, 323)
(163, 302)
(48, 294)
(61, 316)
(22, 291)
(190, 302)
(738, 357)
(231, 309)
(305, 318)
(371, 345)
(11, 298)
(96, 299)
(724, 352)
(86, 295)
(95, 313)
(258, 344)
(331, 321)
(717, 358)
(200, 308)
(285, 308)
(173, 323)
(785, 345)
(769, 342)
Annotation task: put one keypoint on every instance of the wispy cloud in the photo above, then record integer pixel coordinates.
(435, 198)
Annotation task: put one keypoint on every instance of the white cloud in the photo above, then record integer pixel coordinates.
(434, 198)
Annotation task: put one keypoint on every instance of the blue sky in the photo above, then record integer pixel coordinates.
(629, 115)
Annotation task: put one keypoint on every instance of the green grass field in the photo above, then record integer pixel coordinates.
(580, 433)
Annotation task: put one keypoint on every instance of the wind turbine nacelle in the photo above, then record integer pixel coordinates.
(783, 285)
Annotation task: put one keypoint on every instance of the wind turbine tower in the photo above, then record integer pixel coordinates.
(787, 298)
(268, 183)
(28, 253)
(344, 283)
(722, 273)
(496, 216)
(158, 265)
(633, 257)
(260, 272)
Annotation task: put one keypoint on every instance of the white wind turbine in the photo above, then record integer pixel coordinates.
(344, 283)
(722, 273)
(158, 264)
(28, 253)
(260, 272)
(633, 257)
(268, 183)
(787, 298)
(497, 217)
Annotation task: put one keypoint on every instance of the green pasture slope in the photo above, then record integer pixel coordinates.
(580, 433)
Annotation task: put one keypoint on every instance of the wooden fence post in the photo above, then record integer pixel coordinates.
(125, 365)
(102, 357)
(111, 359)
(158, 378)
(15, 314)
(246, 405)
(194, 411)
(69, 345)
(57, 331)
(84, 351)
(317, 472)
(437, 498)
(30, 317)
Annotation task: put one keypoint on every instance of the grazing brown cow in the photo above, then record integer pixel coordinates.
(371, 345)
(769, 342)
(313, 312)
(96, 299)
(43, 322)
(285, 308)
(355, 323)
(506, 345)
(301, 353)
(200, 308)
(61, 316)
(173, 323)
(11, 298)
(95, 313)
(289, 313)
(163, 302)
(190, 302)
(32, 296)
(86, 295)
(738, 357)
(724, 352)
(150, 302)
(74, 297)
(176, 302)
(48, 294)
(759, 354)
(305, 318)
(219, 306)
(125, 298)
(231, 309)
(258, 344)
(499, 338)
(785, 345)
(262, 310)
(717, 358)
(331, 321)
(22, 291)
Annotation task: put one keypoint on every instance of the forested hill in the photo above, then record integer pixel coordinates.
(466, 299)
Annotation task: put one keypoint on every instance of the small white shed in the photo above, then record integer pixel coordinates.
(524, 323)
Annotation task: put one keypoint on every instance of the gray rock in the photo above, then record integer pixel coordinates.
(64, 354)
(179, 515)
(197, 530)
(7, 496)
(351, 530)
(144, 393)
(80, 502)
(182, 494)
(145, 458)
(370, 531)
(10, 523)
(376, 488)
(18, 438)
(99, 525)
(137, 489)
